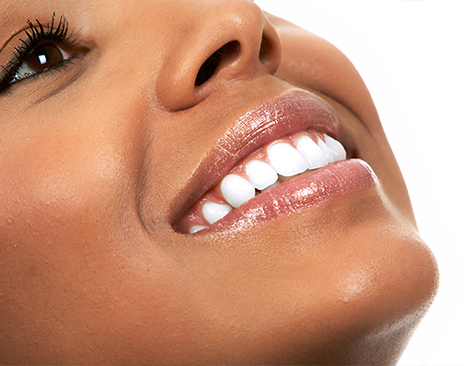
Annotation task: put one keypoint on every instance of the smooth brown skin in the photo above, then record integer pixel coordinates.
(92, 180)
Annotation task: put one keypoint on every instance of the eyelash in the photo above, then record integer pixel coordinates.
(36, 36)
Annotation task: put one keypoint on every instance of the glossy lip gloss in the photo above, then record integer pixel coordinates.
(300, 193)
(290, 112)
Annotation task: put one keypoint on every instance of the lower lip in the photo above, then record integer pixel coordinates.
(300, 193)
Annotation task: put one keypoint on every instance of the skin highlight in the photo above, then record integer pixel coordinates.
(101, 160)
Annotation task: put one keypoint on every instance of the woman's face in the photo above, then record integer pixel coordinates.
(114, 142)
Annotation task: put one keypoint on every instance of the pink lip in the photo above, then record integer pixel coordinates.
(300, 193)
(290, 112)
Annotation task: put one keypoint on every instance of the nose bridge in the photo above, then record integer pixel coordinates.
(223, 41)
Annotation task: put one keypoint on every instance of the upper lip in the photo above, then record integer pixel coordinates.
(292, 111)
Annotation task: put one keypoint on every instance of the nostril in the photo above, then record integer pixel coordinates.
(265, 50)
(223, 55)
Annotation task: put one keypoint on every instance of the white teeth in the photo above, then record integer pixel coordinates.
(325, 150)
(336, 147)
(196, 228)
(213, 212)
(236, 190)
(261, 175)
(286, 160)
(312, 152)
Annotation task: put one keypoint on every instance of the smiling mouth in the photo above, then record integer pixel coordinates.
(274, 163)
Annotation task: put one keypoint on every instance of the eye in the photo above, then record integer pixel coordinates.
(43, 57)
(43, 49)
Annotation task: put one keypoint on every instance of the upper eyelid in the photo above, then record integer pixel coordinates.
(19, 33)
(21, 37)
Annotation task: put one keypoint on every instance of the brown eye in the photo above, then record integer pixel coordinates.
(43, 57)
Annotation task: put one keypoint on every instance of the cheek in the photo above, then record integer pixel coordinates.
(56, 185)
(76, 267)
(56, 180)
(68, 176)
(54, 191)
(63, 167)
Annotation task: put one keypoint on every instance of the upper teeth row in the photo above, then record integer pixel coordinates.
(283, 161)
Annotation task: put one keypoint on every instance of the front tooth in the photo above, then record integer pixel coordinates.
(328, 153)
(336, 147)
(286, 160)
(312, 152)
(213, 212)
(261, 175)
(236, 190)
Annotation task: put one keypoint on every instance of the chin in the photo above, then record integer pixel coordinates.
(345, 281)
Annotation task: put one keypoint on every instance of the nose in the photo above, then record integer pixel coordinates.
(224, 41)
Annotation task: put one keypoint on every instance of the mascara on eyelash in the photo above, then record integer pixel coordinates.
(36, 34)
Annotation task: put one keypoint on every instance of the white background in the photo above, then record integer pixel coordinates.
(411, 56)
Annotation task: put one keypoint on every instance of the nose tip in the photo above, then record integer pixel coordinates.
(233, 40)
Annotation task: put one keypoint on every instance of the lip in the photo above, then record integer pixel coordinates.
(300, 193)
(292, 111)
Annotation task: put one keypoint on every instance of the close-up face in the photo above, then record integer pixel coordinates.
(196, 182)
